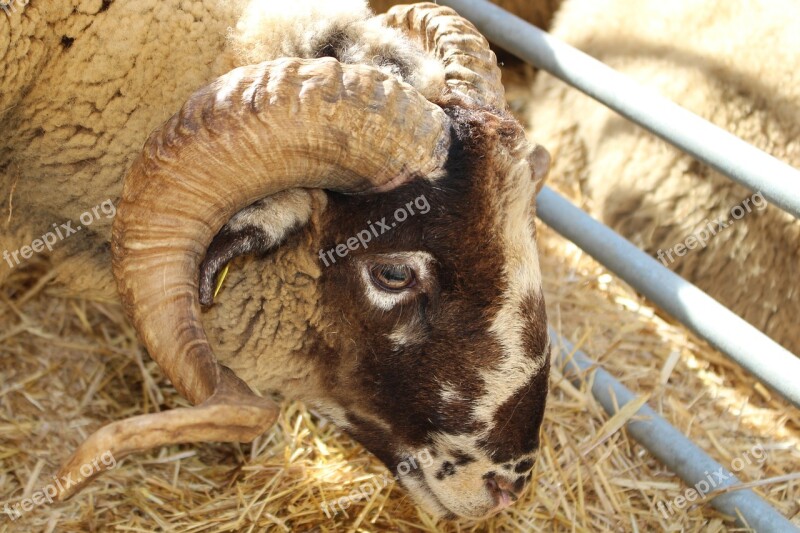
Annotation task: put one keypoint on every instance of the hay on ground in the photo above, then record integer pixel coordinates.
(68, 366)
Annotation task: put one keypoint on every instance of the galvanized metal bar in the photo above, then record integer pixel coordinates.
(726, 331)
(670, 446)
(778, 182)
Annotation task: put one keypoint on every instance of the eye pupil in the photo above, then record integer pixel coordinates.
(392, 277)
(394, 274)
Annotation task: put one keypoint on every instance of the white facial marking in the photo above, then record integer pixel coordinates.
(332, 412)
(524, 280)
(404, 335)
(276, 214)
(450, 394)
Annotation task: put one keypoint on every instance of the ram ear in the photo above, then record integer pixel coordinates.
(256, 229)
(539, 160)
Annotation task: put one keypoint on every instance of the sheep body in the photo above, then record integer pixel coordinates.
(345, 30)
(86, 87)
(94, 84)
(730, 62)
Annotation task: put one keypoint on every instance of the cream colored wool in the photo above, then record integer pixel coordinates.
(82, 88)
(275, 29)
(732, 62)
(82, 107)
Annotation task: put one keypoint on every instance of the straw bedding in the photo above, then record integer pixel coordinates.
(68, 366)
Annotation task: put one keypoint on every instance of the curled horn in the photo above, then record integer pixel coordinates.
(470, 65)
(253, 132)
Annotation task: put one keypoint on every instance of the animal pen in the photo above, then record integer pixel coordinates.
(282, 480)
(772, 364)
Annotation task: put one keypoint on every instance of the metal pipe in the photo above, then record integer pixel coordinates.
(670, 446)
(709, 319)
(778, 182)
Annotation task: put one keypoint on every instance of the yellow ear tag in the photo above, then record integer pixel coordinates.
(221, 279)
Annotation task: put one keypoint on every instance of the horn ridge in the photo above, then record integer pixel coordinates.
(470, 64)
(258, 130)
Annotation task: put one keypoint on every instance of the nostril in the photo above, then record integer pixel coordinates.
(502, 491)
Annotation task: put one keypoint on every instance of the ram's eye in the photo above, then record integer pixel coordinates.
(392, 278)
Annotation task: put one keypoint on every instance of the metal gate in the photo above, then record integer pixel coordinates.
(738, 340)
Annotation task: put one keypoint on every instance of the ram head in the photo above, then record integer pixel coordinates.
(410, 221)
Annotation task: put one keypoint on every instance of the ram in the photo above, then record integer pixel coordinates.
(373, 178)
(730, 62)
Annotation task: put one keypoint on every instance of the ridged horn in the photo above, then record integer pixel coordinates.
(470, 66)
(258, 130)
(255, 131)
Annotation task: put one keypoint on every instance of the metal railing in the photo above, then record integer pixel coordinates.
(666, 443)
(722, 328)
(742, 162)
(741, 342)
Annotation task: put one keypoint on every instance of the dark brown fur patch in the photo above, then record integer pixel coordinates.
(403, 385)
(392, 394)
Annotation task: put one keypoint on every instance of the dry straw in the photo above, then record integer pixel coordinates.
(68, 366)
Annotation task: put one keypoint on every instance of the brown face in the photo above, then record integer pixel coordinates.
(435, 342)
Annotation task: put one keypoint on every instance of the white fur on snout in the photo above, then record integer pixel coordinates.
(464, 492)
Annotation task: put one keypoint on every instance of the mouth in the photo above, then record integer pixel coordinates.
(503, 496)
(425, 496)
(420, 490)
